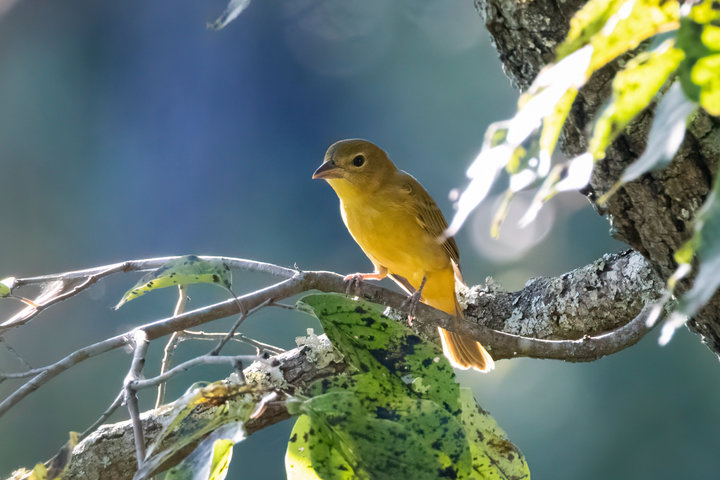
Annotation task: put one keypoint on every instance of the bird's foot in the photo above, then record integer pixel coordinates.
(355, 279)
(412, 301)
(353, 283)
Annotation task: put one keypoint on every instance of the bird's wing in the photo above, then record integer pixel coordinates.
(429, 216)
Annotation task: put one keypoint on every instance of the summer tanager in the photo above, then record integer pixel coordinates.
(399, 227)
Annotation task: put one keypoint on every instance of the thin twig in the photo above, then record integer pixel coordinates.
(92, 275)
(202, 360)
(140, 343)
(153, 263)
(168, 353)
(25, 374)
(156, 329)
(16, 354)
(238, 337)
(90, 281)
(172, 344)
(237, 324)
(285, 306)
(105, 415)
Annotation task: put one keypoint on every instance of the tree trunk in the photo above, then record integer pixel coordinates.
(653, 214)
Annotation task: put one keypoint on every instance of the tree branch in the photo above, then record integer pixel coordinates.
(109, 451)
(607, 299)
(140, 345)
(617, 286)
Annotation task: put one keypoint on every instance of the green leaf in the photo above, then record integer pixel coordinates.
(211, 458)
(553, 123)
(222, 403)
(58, 464)
(309, 451)
(587, 22)
(699, 37)
(705, 244)
(666, 136)
(181, 271)
(6, 285)
(573, 174)
(376, 344)
(615, 27)
(705, 74)
(39, 472)
(632, 23)
(400, 416)
(633, 90)
(493, 455)
(414, 438)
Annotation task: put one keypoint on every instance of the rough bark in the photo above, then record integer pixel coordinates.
(653, 214)
(589, 300)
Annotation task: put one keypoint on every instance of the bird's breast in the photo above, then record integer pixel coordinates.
(392, 237)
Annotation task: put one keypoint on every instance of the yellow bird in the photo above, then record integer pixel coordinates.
(398, 225)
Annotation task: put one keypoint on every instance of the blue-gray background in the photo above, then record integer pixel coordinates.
(129, 130)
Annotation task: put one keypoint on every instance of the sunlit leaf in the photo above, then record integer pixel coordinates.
(310, 451)
(234, 8)
(666, 135)
(222, 402)
(39, 473)
(588, 21)
(599, 33)
(400, 416)
(412, 438)
(211, 458)
(577, 172)
(374, 343)
(49, 293)
(58, 464)
(547, 101)
(633, 90)
(699, 37)
(573, 174)
(6, 286)
(181, 271)
(501, 213)
(705, 75)
(705, 244)
(633, 22)
(553, 123)
(493, 455)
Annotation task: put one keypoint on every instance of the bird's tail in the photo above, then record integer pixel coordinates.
(463, 351)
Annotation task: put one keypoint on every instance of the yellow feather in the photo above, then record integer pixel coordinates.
(398, 226)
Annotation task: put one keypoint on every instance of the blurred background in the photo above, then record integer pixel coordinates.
(130, 130)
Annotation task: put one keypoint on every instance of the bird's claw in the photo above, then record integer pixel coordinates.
(411, 303)
(353, 280)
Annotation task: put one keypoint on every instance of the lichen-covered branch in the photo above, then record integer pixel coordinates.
(596, 298)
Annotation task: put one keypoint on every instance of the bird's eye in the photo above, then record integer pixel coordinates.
(359, 160)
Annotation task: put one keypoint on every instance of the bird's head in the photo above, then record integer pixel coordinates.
(355, 163)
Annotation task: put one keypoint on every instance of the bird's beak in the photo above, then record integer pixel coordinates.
(327, 170)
